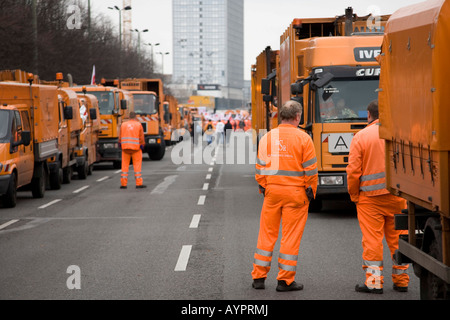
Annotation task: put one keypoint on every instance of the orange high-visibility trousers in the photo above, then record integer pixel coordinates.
(288, 204)
(136, 156)
(376, 219)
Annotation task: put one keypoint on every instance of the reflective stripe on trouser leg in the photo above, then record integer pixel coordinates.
(400, 275)
(287, 265)
(374, 274)
(261, 263)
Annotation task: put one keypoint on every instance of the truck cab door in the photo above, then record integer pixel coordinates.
(25, 156)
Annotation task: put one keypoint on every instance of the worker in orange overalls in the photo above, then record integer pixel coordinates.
(286, 171)
(375, 205)
(131, 140)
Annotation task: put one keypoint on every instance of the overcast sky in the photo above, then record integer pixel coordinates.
(264, 20)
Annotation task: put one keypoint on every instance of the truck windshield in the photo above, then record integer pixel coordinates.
(4, 126)
(144, 103)
(345, 100)
(105, 101)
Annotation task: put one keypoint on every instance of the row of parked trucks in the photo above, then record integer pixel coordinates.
(335, 67)
(50, 130)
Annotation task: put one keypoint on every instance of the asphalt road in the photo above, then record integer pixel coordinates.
(191, 235)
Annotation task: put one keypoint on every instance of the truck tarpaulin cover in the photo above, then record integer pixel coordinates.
(415, 76)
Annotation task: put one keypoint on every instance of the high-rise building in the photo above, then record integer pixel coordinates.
(208, 44)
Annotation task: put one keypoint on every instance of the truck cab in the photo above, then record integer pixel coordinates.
(115, 106)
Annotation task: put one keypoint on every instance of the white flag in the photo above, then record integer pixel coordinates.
(93, 76)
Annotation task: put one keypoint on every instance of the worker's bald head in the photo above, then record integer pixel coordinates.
(290, 110)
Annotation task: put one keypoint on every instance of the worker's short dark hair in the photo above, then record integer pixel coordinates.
(132, 115)
(373, 109)
(290, 110)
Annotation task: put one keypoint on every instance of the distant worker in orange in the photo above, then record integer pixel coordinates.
(131, 140)
(375, 205)
(286, 171)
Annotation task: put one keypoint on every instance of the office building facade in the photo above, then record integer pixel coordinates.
(208, 44)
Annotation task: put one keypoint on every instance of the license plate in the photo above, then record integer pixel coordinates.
(339, 142)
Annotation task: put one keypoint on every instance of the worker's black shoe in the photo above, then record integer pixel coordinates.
(123, 187)
(141, 187)
(400, 289)
(258, 283)
(283, 287)
(366, 289)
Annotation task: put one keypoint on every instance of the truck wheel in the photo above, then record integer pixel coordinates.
(431, 286)
(56, 178)
(9, 199)
(67, 175)
(117, 164)
(83, 171)
(38, 184)
(316, 205)
(91, 169)
(157, 154)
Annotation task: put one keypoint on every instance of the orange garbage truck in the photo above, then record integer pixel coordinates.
(148, 97)
(329, 66)
(115, 106)
(414, 118)
(28, 138)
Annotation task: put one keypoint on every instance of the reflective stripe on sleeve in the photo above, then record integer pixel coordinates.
(309, 163)
(370, 177)
(375, 187)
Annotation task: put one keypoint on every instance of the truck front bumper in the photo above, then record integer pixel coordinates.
(108, 150)
(332, 184)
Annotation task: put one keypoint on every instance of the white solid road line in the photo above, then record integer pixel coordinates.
(183, 259)
(81, 189)
(3, 226)
(201, 200)
(195, 221)
(50, 204)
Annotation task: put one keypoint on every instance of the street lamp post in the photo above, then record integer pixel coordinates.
(139, 38)
(162, 56)
(151, 46)
(120, 35)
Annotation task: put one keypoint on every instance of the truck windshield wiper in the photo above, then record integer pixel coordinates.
(345, 119)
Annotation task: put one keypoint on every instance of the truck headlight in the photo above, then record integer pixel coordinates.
(111, 146)
(331, 180)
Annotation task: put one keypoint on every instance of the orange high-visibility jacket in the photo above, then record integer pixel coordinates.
(287, 157)
(366, 169)
(131, 135)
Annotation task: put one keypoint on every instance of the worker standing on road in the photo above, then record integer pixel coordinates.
(286, 171)
(131, 140)
(375, 205)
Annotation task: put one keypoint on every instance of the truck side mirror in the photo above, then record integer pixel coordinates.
(297, 88)
(68, 113)
(123, 104)
(265, 86)
(93, 113)
(26, 138)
